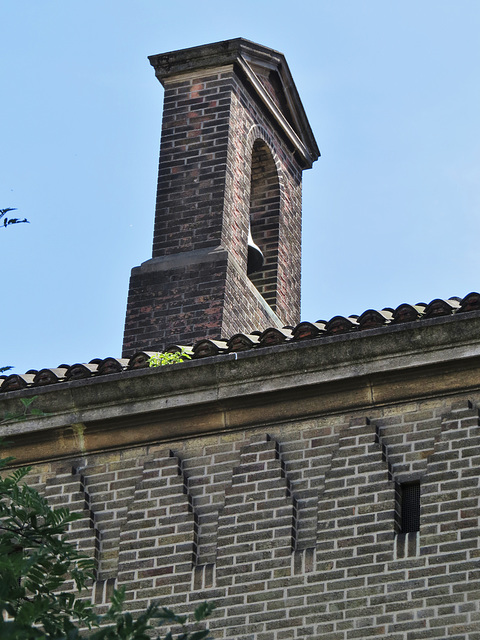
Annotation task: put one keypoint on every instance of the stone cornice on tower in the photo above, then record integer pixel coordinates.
(257, 63)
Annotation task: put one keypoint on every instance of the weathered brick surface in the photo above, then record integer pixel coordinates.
(294, 531)
(67, 487)
(111, 485)
(193, 157)
(164, 306)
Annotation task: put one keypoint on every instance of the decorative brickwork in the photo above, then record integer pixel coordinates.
(294, 532)
(66, 487)
(231, 155)
(160, 526)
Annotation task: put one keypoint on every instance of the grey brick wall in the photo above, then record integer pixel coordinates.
(293, 531)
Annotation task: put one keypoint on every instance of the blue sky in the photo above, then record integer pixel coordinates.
(391, 209)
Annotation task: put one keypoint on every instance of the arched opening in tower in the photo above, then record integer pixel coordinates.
(264, 220)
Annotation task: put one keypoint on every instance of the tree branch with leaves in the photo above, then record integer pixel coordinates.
(37, 560)
(5, 221)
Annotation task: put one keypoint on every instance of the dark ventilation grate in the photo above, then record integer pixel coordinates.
(410, 507)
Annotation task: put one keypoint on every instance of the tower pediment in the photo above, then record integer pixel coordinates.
(267, 73)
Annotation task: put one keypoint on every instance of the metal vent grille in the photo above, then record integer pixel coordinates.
(410, 507)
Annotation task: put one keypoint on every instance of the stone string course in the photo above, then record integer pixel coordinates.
(292, 532)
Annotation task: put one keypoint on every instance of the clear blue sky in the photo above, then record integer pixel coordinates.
(391, 209)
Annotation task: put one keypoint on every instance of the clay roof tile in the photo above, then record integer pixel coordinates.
(340, 324)
(273, 336)
(440, 307)
(242, 342)
(306, 330)
(17, 381)
(49, 376)
(179, 348)
(471, 302)
(371, 319)
(140, 359)
(112, 365)
(407, 313)
(78, 371)
(206, 348)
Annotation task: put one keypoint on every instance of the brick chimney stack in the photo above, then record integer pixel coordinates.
(235, 140)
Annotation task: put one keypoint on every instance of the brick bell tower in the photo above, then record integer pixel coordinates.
(235, 140)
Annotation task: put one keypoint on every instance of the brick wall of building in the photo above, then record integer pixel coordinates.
(293, 530)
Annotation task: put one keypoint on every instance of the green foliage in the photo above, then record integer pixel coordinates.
(5, 222)
(35, 560)
(37, 565)
(27, 412)
(163, 358)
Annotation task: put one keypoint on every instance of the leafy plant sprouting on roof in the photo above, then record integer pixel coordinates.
(165, 357)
